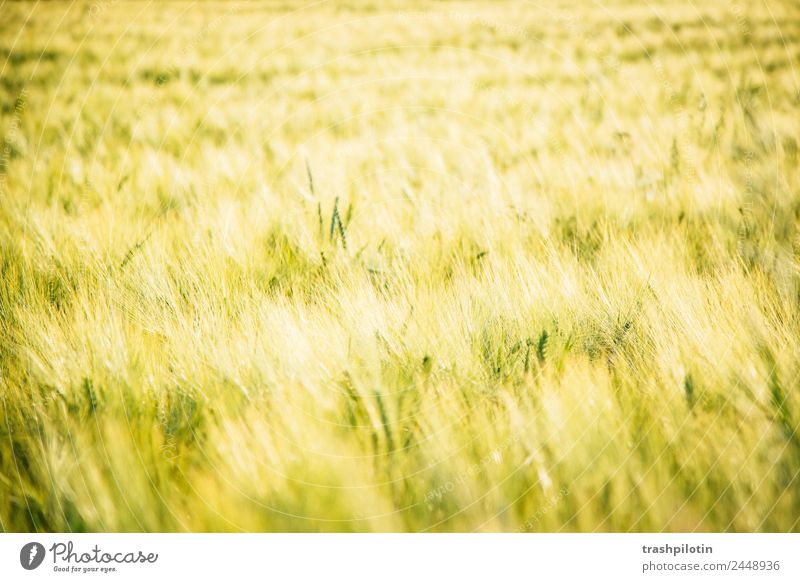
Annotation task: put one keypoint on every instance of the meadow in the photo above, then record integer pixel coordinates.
(399, 266)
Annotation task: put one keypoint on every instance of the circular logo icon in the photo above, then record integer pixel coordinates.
(31, 555)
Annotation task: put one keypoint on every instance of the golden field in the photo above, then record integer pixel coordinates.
(399, 266)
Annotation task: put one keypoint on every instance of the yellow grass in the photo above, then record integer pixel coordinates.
(405, 266)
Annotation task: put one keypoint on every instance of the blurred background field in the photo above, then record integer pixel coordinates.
(399, 266)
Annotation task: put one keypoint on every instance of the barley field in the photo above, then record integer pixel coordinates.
(509, 266)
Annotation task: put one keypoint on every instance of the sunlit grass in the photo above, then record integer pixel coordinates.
(399, 266)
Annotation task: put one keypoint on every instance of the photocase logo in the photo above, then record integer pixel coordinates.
(31, 555)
